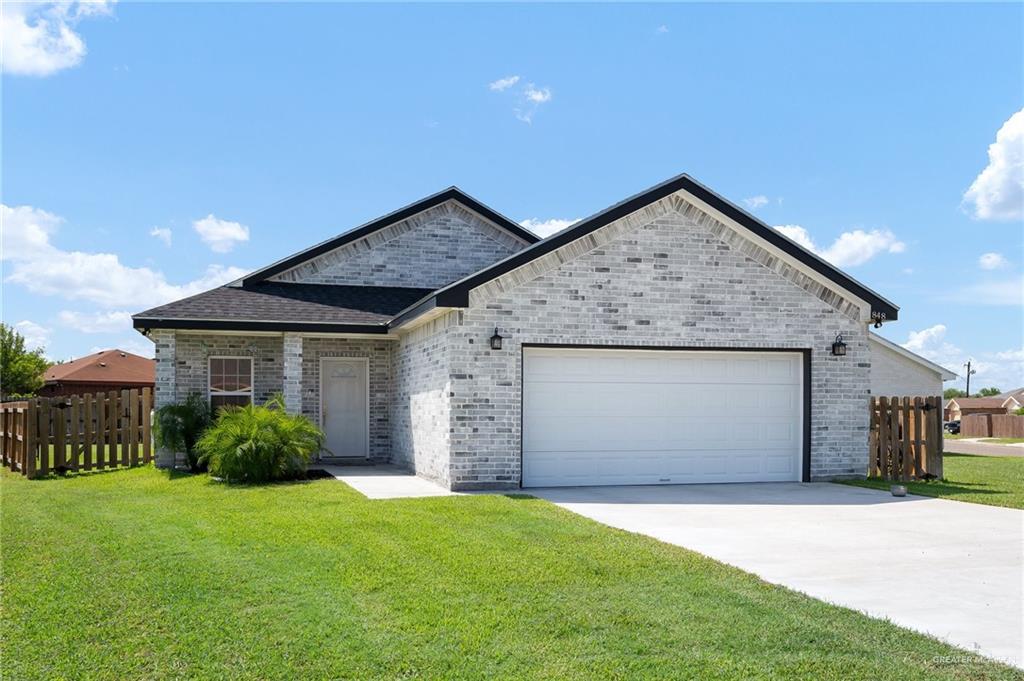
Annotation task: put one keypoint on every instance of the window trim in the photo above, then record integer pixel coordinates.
(251, 393)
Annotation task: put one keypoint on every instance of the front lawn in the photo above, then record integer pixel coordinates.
(1004, 440)
(144, 574)
(993, 480)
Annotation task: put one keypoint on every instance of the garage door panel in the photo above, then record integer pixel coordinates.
(604, 417)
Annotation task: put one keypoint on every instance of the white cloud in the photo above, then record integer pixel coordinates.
(35, 335)
(998, 192)
(528, 97)
(503, 84)
(850, 248)
(545, 228)
(755, 202)
(1004, 370)
(161, 233)
(992, 261)
(25, 231)
(220, 235)
(100, 278)
(39, 39)
(537, 95)
(661, 30)
(97, 322)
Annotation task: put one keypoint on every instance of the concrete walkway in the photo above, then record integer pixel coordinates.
(950, 569)
(385, 482)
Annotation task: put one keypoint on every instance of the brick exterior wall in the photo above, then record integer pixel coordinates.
(164, 389)
(420, 415)
(669, 281)
(193, 351)
(892, 374)
(292, 373)
(378, 352)
(430, 249)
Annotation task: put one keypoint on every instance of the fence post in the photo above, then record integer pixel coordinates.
(936, 451)
(147, 425)
(908, 452)
(31, 439)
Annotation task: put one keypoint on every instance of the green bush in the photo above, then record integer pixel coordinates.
(179, 426)
(258, 444)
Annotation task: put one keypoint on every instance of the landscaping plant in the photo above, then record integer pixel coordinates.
(178, 427)
(259, 444)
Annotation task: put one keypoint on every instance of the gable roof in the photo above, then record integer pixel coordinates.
(107, 366)
(450, 194)
(997, 402)
(279, 306)
(457, 293)
(945, 373)
(1017, 394)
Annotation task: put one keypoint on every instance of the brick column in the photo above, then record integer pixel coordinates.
(293, 373)
(164, 389)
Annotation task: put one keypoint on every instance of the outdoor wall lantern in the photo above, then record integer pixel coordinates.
(496, 340)
(839, 347)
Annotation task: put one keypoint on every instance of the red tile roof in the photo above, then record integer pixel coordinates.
(107, 366)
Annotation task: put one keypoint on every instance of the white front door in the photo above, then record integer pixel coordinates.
(344, 401)
(640, 417)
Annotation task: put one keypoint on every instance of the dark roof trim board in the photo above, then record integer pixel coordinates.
(450, 194)
(146, 323)
(457, 294)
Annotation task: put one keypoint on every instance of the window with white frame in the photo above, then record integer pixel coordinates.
(231, 381)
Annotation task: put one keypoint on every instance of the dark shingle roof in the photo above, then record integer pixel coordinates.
(300, 307)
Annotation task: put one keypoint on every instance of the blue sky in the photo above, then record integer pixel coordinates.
(153, 150)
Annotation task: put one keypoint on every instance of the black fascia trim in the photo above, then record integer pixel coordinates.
(254, 325)
(422, 306)
(452, 193)
(805, 453)
(457, 294)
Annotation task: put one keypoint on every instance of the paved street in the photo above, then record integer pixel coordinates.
(981, 448)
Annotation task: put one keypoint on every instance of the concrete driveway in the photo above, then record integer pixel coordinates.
(950, 569)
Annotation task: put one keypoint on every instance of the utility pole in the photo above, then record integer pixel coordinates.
(969, 372)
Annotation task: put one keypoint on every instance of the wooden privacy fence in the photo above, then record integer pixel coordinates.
(906, 438)
(82, 432)
(992, 425)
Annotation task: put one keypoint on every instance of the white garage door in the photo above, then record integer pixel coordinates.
(642, 417)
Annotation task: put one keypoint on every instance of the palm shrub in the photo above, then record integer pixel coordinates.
(259, 444)
(178, 427)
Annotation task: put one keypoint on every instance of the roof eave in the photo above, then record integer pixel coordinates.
(147, 323)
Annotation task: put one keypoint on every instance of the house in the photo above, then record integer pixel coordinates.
(896, 371)
(958, 407)
(1017, 394)
(670, 338)
(99, 372)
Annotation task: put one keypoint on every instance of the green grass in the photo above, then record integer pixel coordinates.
(144, 574)
(992, 480)
(1004, 440)
(951, 436)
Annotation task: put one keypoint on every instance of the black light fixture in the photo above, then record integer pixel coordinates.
(496, 340)
(839, 347)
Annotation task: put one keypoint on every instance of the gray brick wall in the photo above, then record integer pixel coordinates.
(430, 249)
(378, 352)
(668, 282)
(420, 415)
(193, 351)
(292, 372)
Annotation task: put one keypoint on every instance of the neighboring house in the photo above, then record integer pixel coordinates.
(670, 338)
(958, 407)
(898, 372)
(1017, 394)
(99, 372)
